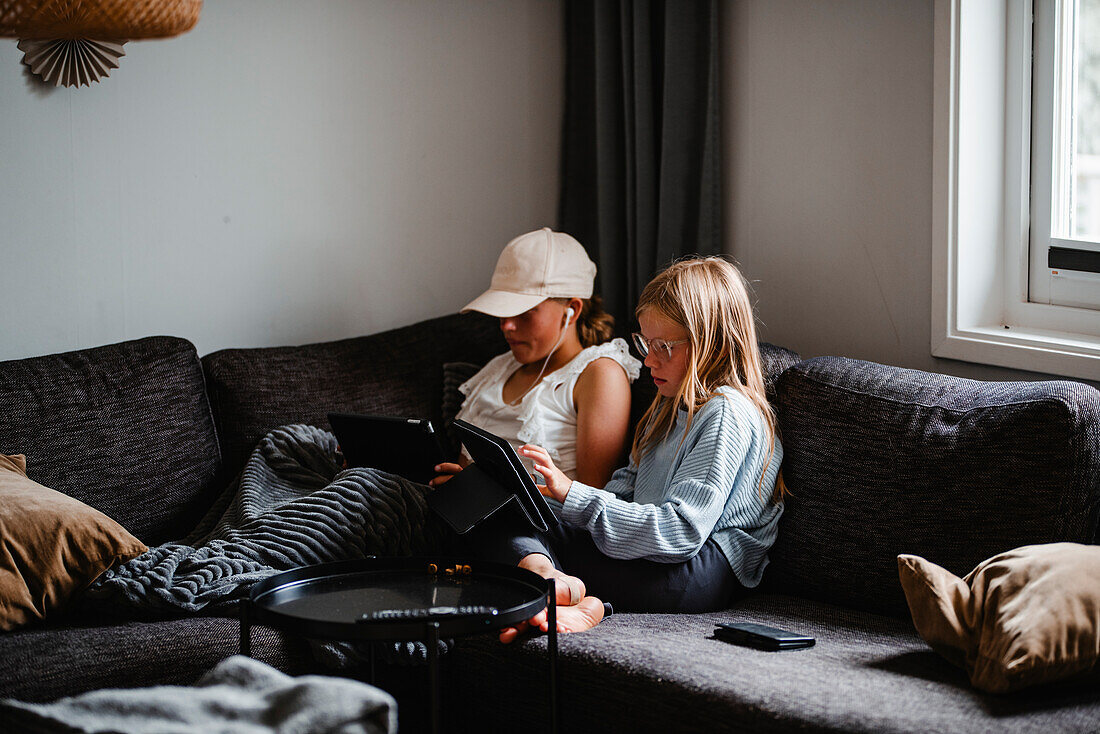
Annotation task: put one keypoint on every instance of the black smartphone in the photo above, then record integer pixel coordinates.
(761, 636)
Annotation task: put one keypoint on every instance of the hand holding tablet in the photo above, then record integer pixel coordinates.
(556, 483)
(496, 478)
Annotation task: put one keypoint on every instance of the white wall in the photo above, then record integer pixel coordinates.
(286, 172)
(828, 145)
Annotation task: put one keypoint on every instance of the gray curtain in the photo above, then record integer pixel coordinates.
(641, 171)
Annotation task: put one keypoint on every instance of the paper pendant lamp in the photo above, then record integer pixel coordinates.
(76, 42)
(73, 62)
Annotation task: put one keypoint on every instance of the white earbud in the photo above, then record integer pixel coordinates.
(568, 315)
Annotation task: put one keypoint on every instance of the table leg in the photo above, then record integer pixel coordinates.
(433, 674)
(246, 629)
(552, 650)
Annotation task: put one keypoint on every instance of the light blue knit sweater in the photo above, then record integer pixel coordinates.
(667, 506)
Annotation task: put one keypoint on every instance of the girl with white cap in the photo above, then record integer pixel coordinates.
(564, 384)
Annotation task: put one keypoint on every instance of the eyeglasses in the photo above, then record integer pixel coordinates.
(662, 349)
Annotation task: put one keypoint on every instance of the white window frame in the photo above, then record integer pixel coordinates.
(1054, 129)
(981, 201)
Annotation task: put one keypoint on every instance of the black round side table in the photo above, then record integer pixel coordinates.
(399, 599)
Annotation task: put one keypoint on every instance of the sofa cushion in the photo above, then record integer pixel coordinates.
(667, 672)
(1021, 618)
(51, 546)
(397, 372)
(125, 428)
(454, 374)
(45, 663)
(882, 461)
(775, 361)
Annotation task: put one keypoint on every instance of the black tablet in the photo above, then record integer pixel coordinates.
(496, 457)
(408, 447)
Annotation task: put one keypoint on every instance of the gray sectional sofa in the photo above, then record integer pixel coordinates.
(879, 460)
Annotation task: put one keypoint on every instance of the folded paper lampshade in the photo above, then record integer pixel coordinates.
(126, 19)
(75, 42)
(71, 62)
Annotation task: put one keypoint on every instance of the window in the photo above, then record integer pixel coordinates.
(1065, 160)
(1013, 150)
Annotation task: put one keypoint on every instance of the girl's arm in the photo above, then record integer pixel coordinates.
(622, 482)
(676, 529)
(557, 484)
(602, 397)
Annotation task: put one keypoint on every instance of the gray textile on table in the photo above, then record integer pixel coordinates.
(290, 507)
(239, 696)
(336, 655)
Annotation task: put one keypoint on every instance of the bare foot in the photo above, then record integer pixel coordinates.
(583, 615)
(568, 589)
(508, 634)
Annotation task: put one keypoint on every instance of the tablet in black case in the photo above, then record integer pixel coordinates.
(408, 447)
(496, 478)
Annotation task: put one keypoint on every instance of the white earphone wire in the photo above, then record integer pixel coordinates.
(565, 327)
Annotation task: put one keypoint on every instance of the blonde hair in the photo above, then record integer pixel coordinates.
(594, 325)
(709, 298)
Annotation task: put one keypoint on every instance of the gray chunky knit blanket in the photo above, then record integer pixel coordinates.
(291, 506)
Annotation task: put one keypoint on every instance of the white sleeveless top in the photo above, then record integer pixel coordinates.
(546, 415)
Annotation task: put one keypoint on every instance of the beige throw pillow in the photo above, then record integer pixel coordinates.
(51, 545)
(1028, 616)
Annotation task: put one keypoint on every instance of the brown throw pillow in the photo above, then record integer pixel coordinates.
(1028, 616)
(51, 545)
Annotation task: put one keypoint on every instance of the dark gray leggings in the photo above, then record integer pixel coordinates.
(704, 583)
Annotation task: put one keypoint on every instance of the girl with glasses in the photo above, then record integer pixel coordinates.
(687, 525)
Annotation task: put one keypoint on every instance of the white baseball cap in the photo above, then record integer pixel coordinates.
(533, 267)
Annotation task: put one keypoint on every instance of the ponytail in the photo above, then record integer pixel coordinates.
(594, 325)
